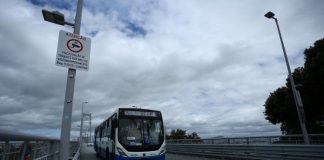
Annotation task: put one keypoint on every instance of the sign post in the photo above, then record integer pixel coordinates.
(74, 53)
(75, 46)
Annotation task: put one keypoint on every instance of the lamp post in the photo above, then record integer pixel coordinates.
(297, 98)
(89, 116)
(81, 128)
(58, 18)
(90, 128)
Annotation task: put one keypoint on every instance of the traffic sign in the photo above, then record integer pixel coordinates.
(73, 51)
(74, 45)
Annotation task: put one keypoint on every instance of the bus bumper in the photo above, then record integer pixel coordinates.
(160, 157)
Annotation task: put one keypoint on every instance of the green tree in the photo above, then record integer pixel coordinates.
(177, 134)
(182, 134)
(280, 105)
(193, 135)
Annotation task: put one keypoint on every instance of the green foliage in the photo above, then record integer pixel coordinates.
(280, 105)
(181, 134)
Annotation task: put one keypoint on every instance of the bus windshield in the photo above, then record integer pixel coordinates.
(140, 133)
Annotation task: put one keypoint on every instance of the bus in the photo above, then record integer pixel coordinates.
(131, 134)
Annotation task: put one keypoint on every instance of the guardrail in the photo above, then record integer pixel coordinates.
(265, 147)
(77, 154)
(249, 151)
(289, 139)
(15, 146)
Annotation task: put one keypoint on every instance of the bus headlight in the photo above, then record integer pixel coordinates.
(121, 152)
(163, 150)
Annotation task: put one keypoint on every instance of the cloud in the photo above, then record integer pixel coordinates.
(208, 66)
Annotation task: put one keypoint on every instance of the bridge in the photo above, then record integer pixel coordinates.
(14, 146)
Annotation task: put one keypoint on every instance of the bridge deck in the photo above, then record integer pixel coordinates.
(170, 156)
(88, 153)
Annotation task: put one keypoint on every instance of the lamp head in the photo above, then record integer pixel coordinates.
(269, 15)
(54, 17)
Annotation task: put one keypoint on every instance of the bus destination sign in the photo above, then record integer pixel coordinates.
(140, 113)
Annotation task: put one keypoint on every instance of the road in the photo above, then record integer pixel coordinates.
(89, 154)
(184, 157)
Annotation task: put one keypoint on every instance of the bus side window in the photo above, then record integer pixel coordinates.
(100, 132)
(112, 134)
(113, 126)
(108, 128)
(105, 129)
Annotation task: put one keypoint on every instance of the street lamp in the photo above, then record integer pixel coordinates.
(58, 18)
(55, 17)
(297, 98)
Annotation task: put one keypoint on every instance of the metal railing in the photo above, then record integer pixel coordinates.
(249, 151)
(270, 147)
(19, 146)
(290, 139)
(77, 154)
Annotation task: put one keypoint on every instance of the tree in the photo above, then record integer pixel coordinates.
(181, 134)
(177, 134)
(193, 135)
(280, 105)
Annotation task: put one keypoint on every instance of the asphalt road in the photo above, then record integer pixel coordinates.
(88, 153)
(184, 157)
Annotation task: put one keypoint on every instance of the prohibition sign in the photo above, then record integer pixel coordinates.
(74, 45)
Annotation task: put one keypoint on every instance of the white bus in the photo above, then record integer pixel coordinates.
(131, 134)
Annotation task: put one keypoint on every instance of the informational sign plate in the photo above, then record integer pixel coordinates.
(73, 51)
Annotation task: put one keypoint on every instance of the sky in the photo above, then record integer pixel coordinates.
(208, 65)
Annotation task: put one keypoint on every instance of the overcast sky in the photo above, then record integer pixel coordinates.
(207, 65)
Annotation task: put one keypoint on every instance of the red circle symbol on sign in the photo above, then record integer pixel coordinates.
(74, 45)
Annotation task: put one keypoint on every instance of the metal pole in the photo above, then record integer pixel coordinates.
(6, 150)
(298, 101)
(90, 128)
(81, 128)
(69, 92)
(22, 157)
